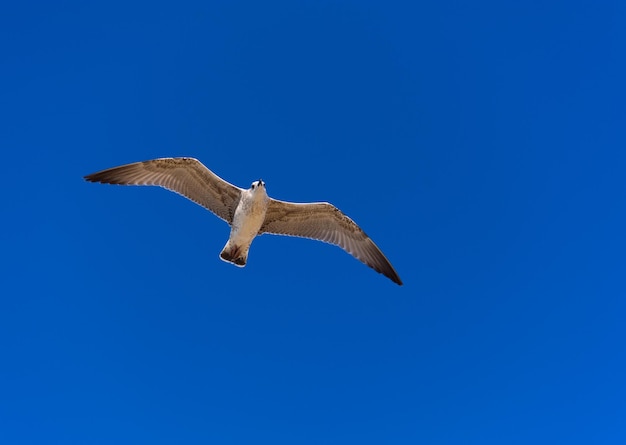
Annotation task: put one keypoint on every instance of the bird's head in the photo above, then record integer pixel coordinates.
(257, 185)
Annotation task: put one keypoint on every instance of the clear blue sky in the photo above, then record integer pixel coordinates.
(480, 144)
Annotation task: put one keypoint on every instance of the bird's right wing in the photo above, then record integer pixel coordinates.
(325, 222)
(185, 176)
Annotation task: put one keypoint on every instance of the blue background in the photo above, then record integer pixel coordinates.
(480, 144)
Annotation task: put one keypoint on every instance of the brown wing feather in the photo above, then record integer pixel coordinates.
(325, 222)
(185, 176)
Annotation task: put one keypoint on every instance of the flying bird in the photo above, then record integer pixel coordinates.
(251, 212)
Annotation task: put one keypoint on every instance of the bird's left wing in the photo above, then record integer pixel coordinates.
(185, 176)
(325, 222)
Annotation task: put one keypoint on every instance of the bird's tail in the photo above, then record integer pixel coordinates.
(238, 255)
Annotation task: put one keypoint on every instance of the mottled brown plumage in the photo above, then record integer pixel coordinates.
(185, 176)
(324, 222)
(240, 209)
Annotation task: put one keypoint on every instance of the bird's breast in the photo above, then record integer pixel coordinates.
(249, 216)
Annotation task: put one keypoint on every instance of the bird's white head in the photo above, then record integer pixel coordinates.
(256, 185)
(257, 190)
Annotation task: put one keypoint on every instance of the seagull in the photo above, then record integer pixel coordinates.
(251, 212)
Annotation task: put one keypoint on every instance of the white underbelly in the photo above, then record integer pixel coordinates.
(244, 230)
(249, 217)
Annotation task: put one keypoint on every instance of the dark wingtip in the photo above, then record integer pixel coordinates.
(382, 264)
(104, 177)
(393, 276)
(96, 177)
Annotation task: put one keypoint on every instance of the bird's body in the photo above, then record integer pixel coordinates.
(247, 221)
(251, 212)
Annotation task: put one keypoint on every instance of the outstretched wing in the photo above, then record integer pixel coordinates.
(185, 176)
(325, 222)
